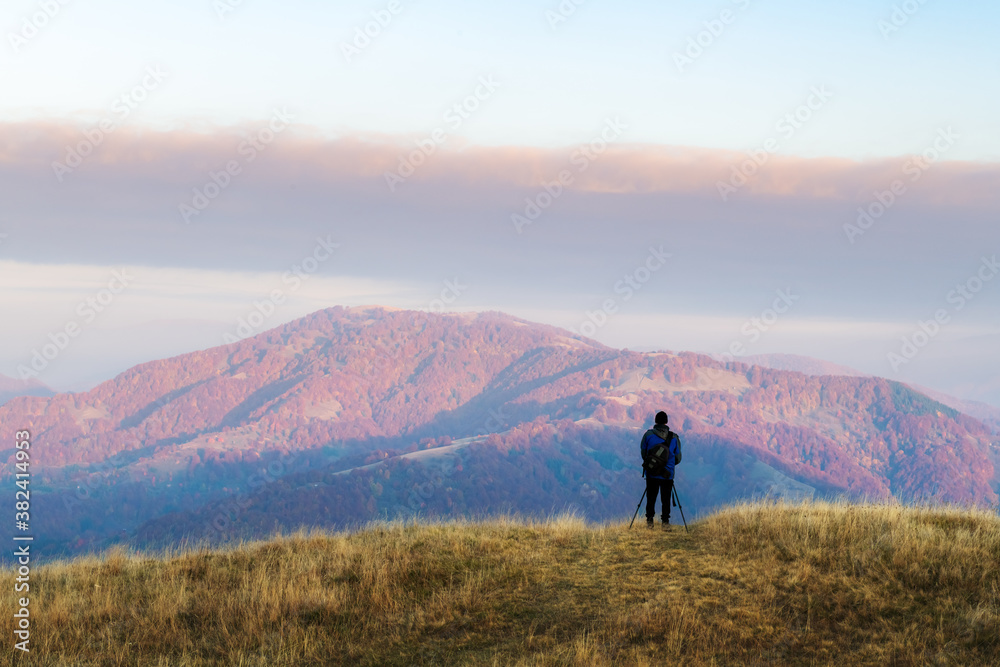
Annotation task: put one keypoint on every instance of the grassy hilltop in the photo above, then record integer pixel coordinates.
(755, 584)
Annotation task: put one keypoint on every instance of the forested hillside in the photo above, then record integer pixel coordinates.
(351, 414)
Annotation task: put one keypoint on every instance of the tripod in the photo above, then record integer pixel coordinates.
(676, 501)
(677, 504)
(637, 509)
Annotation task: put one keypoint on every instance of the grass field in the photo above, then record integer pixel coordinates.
(810, 584)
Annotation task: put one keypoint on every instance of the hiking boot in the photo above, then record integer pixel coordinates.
(649, 524)
(666, 526)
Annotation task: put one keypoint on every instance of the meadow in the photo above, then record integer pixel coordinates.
(753, 584)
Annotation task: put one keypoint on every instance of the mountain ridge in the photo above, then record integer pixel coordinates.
(163, 449)
(11, 388)
(984, 412)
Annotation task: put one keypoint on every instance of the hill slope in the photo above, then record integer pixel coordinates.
(988, 414)
(766, 584)
(349, 415)
(11, 388)
(801, 364)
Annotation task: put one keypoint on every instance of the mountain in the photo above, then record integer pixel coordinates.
(351, 414)
(801, 364)
(12, 388)
(984, 412)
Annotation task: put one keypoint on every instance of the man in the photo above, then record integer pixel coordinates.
(659, 479)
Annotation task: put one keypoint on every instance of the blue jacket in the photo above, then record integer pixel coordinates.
(655, 436)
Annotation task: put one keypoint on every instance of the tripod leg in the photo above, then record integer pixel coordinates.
(637, 509)
(681, 508)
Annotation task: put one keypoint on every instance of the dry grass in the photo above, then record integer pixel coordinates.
(756, 584)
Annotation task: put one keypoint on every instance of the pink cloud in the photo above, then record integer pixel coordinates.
(301, 155)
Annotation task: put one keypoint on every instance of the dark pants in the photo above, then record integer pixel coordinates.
(664, 488)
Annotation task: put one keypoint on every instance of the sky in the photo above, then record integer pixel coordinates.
(748, 177)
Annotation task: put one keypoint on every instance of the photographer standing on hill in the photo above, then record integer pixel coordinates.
(661, 451)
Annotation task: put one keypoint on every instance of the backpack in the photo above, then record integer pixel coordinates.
(657, 456)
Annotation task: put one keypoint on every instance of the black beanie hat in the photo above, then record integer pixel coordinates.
(661, 417)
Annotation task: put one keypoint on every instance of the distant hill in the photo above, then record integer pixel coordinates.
(352, 414)
(778, 584)
(12, 388)
(984, 412)
(801, 364)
